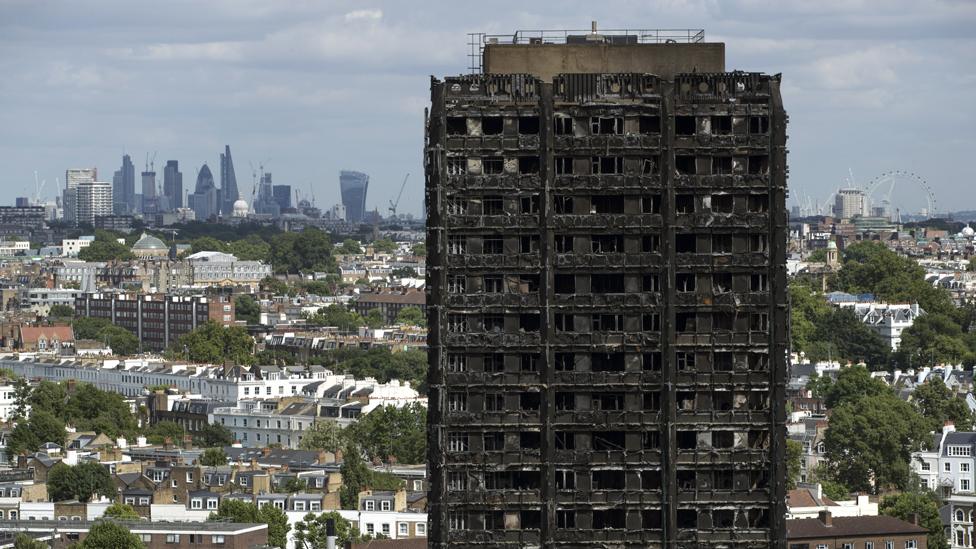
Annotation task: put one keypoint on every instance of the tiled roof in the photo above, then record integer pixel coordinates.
(850, 527)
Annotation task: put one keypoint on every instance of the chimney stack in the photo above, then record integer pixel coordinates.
(825, 517)
(948, 426)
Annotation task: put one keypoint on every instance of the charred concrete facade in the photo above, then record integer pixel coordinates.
(607, 309)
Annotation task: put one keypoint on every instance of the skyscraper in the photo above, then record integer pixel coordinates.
(72, 178)
(93, 199)
(124, 187)
(228, 183)
(205, 200)
(149, 202)
(173, 185)
(282, 195)
(353, 186)
(265, 203)
(607, 297)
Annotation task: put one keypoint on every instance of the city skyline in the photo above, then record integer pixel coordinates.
(306, 85)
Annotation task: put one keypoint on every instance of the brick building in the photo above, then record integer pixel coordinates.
(871, 532)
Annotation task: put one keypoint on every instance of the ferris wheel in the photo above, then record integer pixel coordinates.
(881, 189)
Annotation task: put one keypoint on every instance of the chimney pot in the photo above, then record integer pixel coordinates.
(825, 517)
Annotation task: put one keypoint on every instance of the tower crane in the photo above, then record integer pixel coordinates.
(393, 205)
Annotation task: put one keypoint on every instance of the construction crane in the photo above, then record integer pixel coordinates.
(38, 187)
(393, 205)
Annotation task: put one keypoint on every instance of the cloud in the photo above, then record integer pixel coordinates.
(359, 15)
(872, 68)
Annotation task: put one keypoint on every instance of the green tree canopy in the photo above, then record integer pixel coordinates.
(213, 457)
(384, 245)
(375, 319)
(245, 511)
(323, 435)
(934, 339)
(338, 316)
(29, 435)
(389, 431)
(108, 534)
(252, 248)
(23, 541)
(419, 249)
(411, 316)
(105, 250)
(309, 250)
(923, 504)
(207, 244)
(82, 482)
(214, 343)
(122, 341)
(214, 434)
(847, 338)
(852, 384)
(121, 511)
(162, 430)
(247, 309)
(794, 453)
(61, 311)
(350, 247)
(310, 532)
(937, 403)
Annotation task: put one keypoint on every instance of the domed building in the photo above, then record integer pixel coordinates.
(240, 208)
(150, 247)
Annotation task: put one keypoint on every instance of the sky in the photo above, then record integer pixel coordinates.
(307, 88)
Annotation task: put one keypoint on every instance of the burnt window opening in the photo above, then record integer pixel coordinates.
(457, 244)
(492, 165)
(457, 402)
(494, 402)
(494, 441)
(721, 125)
(721, 203)
(456, 284)
(651, 440)
(606, 125)
(686, 243)
(607, 480)
(563, 165)
(722, 401)
(563, 204)
(722, 361)
(686, 480)
(564, 283)
(649, 124)
(608, 441)
(651, 362)
(565, 440)
(529, 204)
(609, 519)
(457, 125)
(758, 439)
(723, 321)
(495, 520)
(651, 519)
(685, 164)
(685, 361)
(758, 518)
(758, 243)
(494, 363)
(492, 125)
(759, 322)
(565, 401)
(685, 125)
(528, 284)
(723, 439)
(564, 322)
(565, 519)
(565, 479)
(650, 243)
(528, 125)
(687, 440)
(530, 440)
(564, 243)
(457, 442)
(649, 166)
(457, 323)
(457, 206)
(721, 283)
(651, 204)
(528, 362)
(651, 322)
(685, 401)
(601, 244)
(607, 323)
(685, 322)
(652, 401)
(493, 322)
(607, 165)
(721, 165)
(758, 124)
(492, 205)
(528, 165)
(723, 518)
(457, 480)
(721, 243)
(492, 284)
(722, 480)
(529, 244)
(565, 362)
(530, 402)
(530, 520)
(758, 203)
(687, 519)
(651, 283)
(759, 283)
(562, 125)
(457, 363)
(529, 322)
(607, 283)
(457, 166)
(759, 165)
(607, 362)
(492, 245)
(685, 282)
(758, 362)
(607, 402)
(607, 204)
(684, 203)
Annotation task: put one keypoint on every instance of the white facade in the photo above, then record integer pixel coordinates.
(13, 247)
(94, 199)
(7, 402)
(71, 247)
(887, 320)
(40, 300)
(213, 268)
(849, 203)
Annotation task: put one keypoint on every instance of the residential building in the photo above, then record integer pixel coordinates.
(93, 200)
(40, 300)
(808, 501)
(888, 320)
(606, 263)
(71, 247)
(47, 339)
(8, 401)
(154, 535)
(210, 269)
(849, 203)
(28, 218)
(13, 247)
(868, 532)
(390, 302)
(72, 179)
(353, 186)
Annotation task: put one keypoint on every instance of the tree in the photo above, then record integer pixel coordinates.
(28, 436)
(105, 250)
(850, 339)
(122, 341)
(108, 534)
(90, 409)
(252, 248)
(807, 307)
(872, 437)
(937, 403)
(82, 482)
(818, 256)
(213, 457)
(23, 541)
(931, 340)
(794, 453)
(411, 316)
(356, 477)
(243, 511)
(214, 434)
(22, 392)
(323, 435)
(338, 316)
(61, 311)
(924, 505)
(292, 485)
(207, 244)
(403, 272)
(384, 245)
(214, 344)
(380, 363)
(388, 431)
(275, 286)
(309, 250)
(310, 532)
(48, 396)
(375, 319)
(419, 249)
(852, 384)
(121, 511)
(246, 308)
(350, 247)
(60, 480)
(819, 385)
(162, 430)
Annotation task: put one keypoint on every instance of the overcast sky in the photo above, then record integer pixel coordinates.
(311, 87)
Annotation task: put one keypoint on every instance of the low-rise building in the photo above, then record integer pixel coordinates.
(71, 247)
(211, 269)
(877, 532)
(390, 302)
(154, 535)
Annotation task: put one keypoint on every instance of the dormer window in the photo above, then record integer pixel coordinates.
(959, 451)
